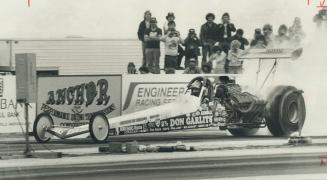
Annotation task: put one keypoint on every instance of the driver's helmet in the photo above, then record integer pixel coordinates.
(196, 88)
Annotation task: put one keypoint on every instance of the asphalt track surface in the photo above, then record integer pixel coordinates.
(248, 167)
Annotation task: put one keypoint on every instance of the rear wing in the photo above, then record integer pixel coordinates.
(270, 54)
(273, 54)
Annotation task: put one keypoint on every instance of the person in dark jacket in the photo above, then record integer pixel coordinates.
(152, 38)
(259, 42)
(282, 36)
(131, 68)
(257, 34)
(225, 29)
(192, 50)
(145, 24)
(208, 36)
(239, 36)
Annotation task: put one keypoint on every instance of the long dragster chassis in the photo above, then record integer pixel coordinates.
(223, 105)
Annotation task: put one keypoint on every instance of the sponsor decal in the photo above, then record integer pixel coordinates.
(81, 94)
(75, 117)
(199, 119)
(77, 98)
(142, 96)
(12, 117)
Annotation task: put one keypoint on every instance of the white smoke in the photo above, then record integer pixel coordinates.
(309, 73)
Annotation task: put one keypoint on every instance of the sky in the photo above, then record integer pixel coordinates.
(120, 18)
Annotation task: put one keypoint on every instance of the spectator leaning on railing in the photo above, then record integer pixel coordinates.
(206, 68)
(218, 60)
(152, 37)
(144, 70)
(257, 34)
(193, 68)
(260, 43)
(131, 68)
(234, 54)
(239, 36)
(145, 24)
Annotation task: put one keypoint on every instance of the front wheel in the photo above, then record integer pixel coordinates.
(41, 124)
(99, 127)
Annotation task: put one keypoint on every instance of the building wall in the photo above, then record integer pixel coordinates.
(81, 56)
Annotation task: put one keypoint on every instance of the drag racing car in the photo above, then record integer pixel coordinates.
(206, 103)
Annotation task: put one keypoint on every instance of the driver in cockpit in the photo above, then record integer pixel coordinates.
(196, 88)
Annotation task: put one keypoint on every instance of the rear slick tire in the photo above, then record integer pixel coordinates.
(285, 111)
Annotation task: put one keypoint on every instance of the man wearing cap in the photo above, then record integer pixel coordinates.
(170, 17)
(208, 36)
(152, 37)
(140, 33)
(168, 25)
(192, 44)
(172, 40)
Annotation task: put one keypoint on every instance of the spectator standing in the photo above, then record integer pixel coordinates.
(239, 36)
(225, 29)
(152, 38)
(268, 34)
(234, 54)
(168, 25)
(208, 36)
(320, 17)
(282, 37)
(170, 18)
(296, 32)
(260, 43)
(193, 68)
(192, 50)
(257, 34)
(218, 60)
(145, 24)
(172, 40)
